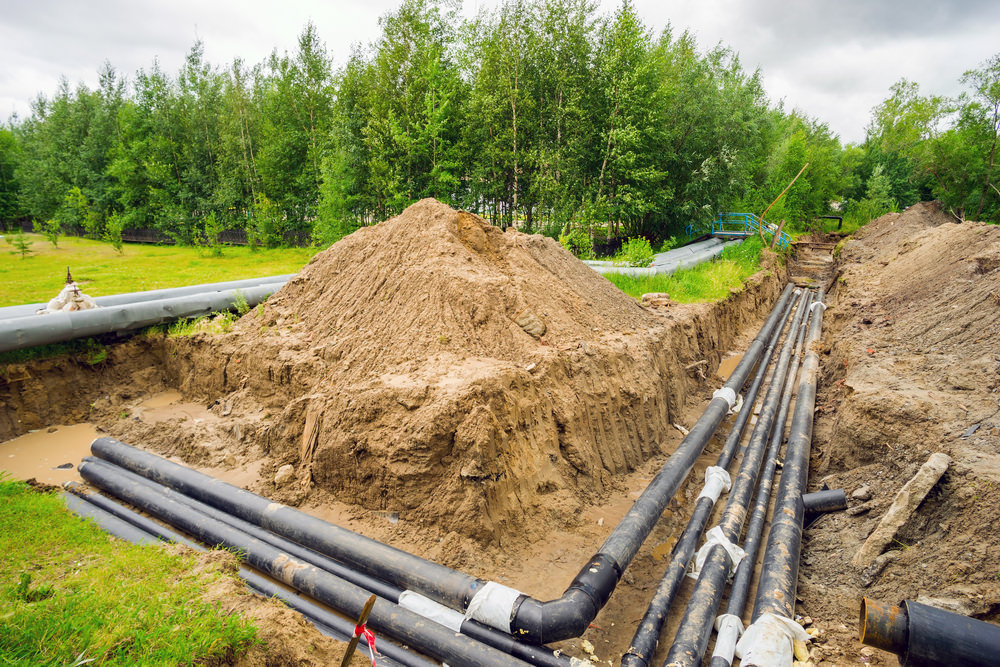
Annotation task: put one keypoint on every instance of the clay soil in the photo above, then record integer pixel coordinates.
(482, 399)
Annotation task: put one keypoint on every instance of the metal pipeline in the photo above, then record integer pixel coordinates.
(780, 568)
(30, 309)
(511, 611)
(118, 520)
(924, 636)
(696, 624)
(22, 332)
(540, 656)
(647, 634)
(407, 627)
(728, 632)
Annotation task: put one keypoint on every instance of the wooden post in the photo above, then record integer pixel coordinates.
(349, 653)
(787, 187)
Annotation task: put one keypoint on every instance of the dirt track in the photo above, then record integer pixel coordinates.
(500, 462)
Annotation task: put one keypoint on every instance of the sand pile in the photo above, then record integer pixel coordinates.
(436, 366)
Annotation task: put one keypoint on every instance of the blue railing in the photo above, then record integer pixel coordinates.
(745, 224)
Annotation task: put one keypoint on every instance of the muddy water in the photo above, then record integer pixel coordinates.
(728, 365)
(36, 454)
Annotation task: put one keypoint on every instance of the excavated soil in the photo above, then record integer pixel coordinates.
(911, 368)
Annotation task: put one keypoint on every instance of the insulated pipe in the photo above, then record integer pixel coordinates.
(821, 502)
(696, 624)
(728, 634)
(30, 309)
(526, 618)
(25, 332)
(647, 634)
(924, 636)
(780, 569)
(402, 624)
(536, 655)
(111, 516)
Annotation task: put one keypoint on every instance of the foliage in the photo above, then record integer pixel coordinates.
(50, 229)
(578, 242)
(877, 202)
(65, 612)
(21, 244)
(635, 252)
(113, 229)
(213, 231)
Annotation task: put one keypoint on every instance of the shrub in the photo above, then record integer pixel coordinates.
(636, 252)
(578, 242)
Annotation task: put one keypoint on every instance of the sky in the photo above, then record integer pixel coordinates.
(832, 59)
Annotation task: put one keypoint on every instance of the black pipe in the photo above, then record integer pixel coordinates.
(696, 624)
(570, 615)
(402, 624)
(780, 568)
(530, 620)
(647, 634)
(740, 588)
(821, 502)
(924, 636)
(540, 656)
(110, 515)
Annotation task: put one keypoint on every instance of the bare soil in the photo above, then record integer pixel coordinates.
(405, 377)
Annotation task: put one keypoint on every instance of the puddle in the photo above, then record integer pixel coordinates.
(661, 551)
(728, 365)
(167, 405)
(36, 454)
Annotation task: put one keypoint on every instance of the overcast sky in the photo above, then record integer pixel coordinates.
(833, 59)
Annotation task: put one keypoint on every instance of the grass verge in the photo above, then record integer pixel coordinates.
(70, 594)
(101, 271)
(711, 281)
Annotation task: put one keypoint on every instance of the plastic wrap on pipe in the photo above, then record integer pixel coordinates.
(25, 332)
(30, 309)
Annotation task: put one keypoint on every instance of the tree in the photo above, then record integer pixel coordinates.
(981, 115)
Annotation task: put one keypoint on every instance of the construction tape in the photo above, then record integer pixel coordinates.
(727, 394)
(770, 640)
(493, 605)
(435, 611)
(713, 538)
(363, 631)
(717, 480)
(817, 304)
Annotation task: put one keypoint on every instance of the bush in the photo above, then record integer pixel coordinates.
(113, 231)
(51, 229)
(578, 242)
(635, 252)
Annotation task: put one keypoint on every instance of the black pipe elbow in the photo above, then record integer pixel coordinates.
(570, 615)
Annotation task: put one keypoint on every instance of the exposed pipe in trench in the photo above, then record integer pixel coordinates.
(730, 623)
(924, 636)
(644, 642)
(427, 636)
(118, 520)
(540, 656)
(498, 606)
(695, 629)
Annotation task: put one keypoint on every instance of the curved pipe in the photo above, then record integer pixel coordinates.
(536, 655)
(530, 620)
(22, 332)
(30, 309)
(647, 634)
(386, 617)
(927, 636)
(122, 522)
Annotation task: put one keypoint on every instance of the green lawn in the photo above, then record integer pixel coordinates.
(711, 281)
(100, 270)
(72, 595)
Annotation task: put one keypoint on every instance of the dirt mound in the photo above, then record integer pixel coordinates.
(397, 372)
(913, 369)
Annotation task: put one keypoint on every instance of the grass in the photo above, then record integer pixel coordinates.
(70, 594)
(711, 281)
(100, 270)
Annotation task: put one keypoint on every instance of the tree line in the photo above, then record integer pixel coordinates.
(543, 114)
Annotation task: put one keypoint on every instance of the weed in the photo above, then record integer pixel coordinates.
(124, 414)
(443, 339)
(260, 310)
(24, 593)
(240, 303)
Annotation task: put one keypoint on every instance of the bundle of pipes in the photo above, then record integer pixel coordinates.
(20, 327)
